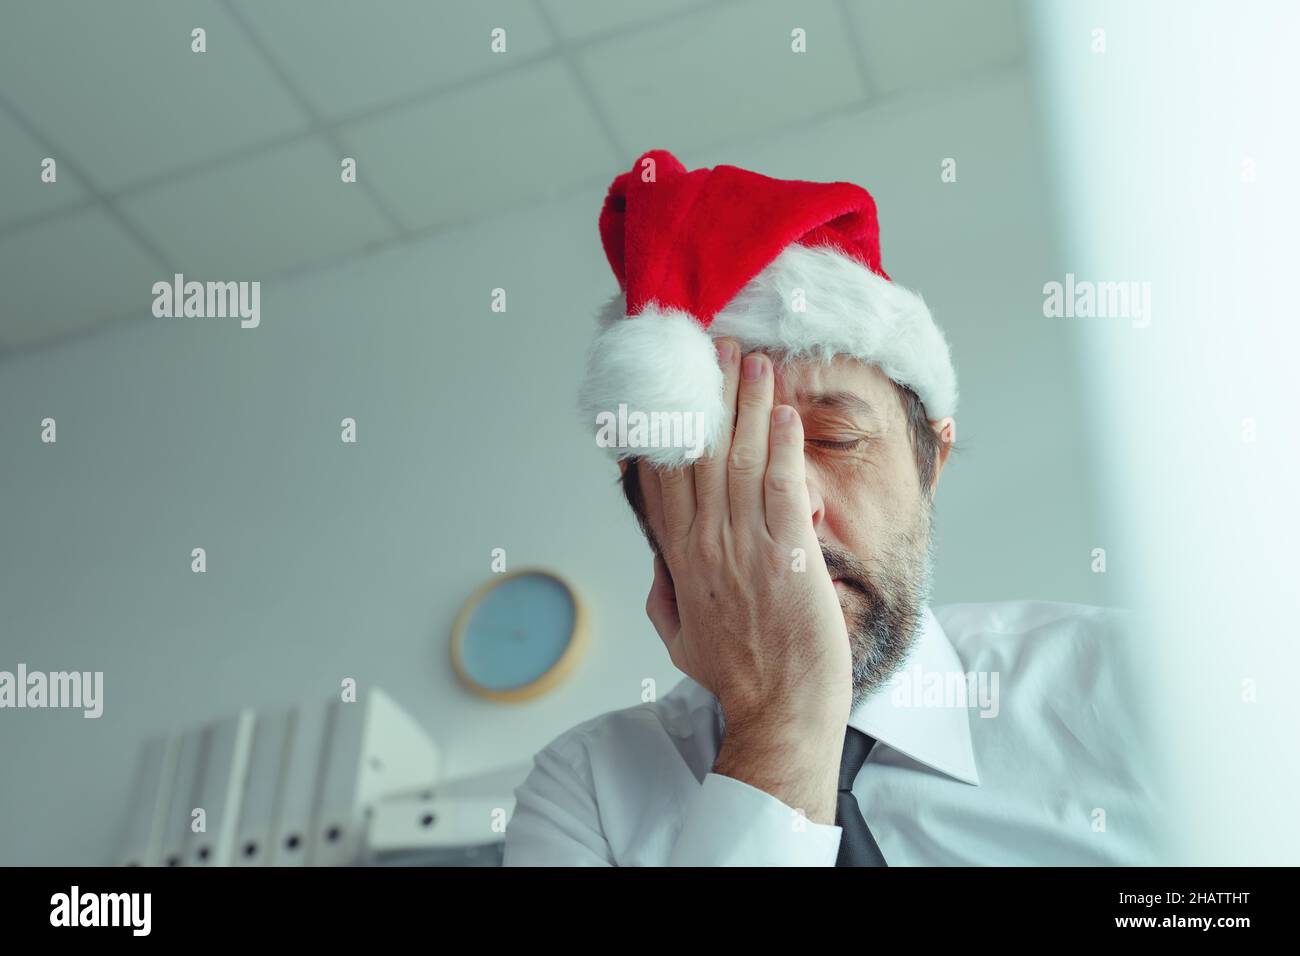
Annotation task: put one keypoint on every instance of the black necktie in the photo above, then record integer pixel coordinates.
(857, 845)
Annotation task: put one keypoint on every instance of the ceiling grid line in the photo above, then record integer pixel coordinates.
(860, 62)
(322, 124)
(98, 199)
(317, 126)
(585, 92)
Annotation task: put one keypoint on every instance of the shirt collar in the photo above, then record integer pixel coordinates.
(936, 736)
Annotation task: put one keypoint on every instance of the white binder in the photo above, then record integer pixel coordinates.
(462, 813)
(296, 786)
(376, 749)
(150, 798)
(296, 823)
(183, 798)
(413, 823)
(264, 792)
(220, 789)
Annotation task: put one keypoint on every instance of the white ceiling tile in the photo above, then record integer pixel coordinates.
(252, 219)
(23, 194)
(729, 72)
(471, 153)
(67, 274)
(576, 19)
(923, 44)
(116, 85)
(345, 56)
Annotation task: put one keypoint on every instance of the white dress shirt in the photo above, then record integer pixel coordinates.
(1006, 739)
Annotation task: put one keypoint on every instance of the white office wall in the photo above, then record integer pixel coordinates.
(328, 561)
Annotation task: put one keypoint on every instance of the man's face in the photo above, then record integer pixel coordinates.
(868, 509)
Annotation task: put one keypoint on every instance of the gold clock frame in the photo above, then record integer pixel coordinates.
(554, 675)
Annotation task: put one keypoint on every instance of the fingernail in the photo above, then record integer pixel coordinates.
(752, 368)
(783, 414)
(726, 352)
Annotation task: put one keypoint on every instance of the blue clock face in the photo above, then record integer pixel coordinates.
(518, 632)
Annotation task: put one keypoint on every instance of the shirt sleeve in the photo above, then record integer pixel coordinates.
(726, 822)
(555, 821)
(731, 823)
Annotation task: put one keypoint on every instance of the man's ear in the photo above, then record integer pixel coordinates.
(946, 429)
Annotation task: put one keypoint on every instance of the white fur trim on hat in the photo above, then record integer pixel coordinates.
(813, 302)
(660, 364)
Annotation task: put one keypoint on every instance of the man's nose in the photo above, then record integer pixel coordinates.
(816, 502)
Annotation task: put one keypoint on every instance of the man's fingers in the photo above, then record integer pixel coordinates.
(677, 499)
(711, 471)
(661, 604)
(748, 459)
(785, 486)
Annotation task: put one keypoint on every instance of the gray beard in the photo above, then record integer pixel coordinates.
(886, 602)
(884, 609)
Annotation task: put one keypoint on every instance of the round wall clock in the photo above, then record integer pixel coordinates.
(518, 635)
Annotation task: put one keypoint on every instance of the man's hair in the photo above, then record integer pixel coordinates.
(925, 446)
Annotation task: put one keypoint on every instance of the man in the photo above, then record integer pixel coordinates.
(829, 716)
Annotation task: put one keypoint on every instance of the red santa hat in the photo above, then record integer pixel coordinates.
(782, 264)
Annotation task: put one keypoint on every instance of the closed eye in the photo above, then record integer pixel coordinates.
(837, 445)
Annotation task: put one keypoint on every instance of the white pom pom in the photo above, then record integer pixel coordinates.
(656, 364)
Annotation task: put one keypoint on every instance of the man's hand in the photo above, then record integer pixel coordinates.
(769, 641)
